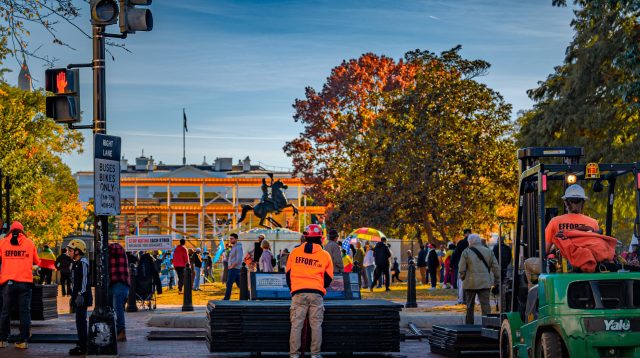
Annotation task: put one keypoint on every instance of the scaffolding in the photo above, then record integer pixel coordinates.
(205, 216)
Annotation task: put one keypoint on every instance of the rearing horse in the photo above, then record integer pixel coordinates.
(277, 203)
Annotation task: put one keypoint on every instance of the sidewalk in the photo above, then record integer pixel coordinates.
(138, 328)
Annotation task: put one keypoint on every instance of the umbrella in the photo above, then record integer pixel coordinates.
(367, 233)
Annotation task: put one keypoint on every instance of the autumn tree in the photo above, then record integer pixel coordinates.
(430, 154)
(44, 194)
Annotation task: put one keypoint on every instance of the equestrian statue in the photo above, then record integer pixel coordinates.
(274, 203)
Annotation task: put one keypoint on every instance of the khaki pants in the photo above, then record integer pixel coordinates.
(532, 267)
(423, 275)
(301, 304)
(470, 301)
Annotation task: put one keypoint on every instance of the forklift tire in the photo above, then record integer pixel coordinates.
(506, 340)
(549, 345)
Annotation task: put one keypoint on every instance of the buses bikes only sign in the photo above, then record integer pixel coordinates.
(106, 177)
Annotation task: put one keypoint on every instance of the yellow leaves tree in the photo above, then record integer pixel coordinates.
(44, 195)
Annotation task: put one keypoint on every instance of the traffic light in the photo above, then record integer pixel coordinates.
(104, 12)
(134, 19)
(64, 105)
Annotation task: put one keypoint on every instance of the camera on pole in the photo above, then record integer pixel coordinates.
(64, 105)
(104, 12)
(134, 19)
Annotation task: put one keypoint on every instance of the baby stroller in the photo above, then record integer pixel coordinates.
(147, 283)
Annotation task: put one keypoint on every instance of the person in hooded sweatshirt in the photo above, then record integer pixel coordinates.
(309, 272)
(18, 255)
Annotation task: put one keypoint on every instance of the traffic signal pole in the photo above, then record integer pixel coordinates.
(102, 323)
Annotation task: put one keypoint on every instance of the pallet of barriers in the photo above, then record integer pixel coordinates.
(461, 341)
(263, 326)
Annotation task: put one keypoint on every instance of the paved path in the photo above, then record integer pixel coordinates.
(138, 346)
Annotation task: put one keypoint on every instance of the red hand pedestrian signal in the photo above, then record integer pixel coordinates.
(61, 82)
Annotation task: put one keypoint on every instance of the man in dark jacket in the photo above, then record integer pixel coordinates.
(381, 255)
(455, 258)
(502, 251)
(257, 251)
(148, 277)
(422, 264)
(63, 265)
(433, 263)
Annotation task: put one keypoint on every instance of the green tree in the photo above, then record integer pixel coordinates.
(592, 99)
(44, 194)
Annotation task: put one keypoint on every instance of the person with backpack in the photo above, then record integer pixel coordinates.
(63, 265)
(476, 267)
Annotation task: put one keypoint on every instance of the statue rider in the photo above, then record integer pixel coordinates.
(265, 190)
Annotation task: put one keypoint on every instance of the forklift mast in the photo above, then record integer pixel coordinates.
(529, 157)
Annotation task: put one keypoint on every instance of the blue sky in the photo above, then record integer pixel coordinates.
(238, 66)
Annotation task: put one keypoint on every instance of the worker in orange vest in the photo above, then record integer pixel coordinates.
(18, 255)
(309, 272)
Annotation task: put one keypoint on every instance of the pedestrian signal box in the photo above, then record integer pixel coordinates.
(64, 105)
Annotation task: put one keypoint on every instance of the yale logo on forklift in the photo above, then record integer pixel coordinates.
(612, 325)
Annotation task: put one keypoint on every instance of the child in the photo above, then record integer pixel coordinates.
(81, 297)
(395, 270)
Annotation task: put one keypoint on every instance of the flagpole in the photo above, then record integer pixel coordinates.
(184, 127)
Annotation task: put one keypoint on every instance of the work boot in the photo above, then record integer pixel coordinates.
(22, 345)
(122, 336)
(77, 351)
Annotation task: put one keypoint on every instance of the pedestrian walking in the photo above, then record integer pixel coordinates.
(333, 248)
(309, 273)
(395, 271)
(119, 283)
(369, 265)
(81, 297)
(207, 264)
(433, 264)
(63, 265)
(455, 259)
(266, 259)
(47, 265)
(16, 280)
(180, 261)
(197, 269)
(422, 264)
(476, 268)
(234, 264)
(381, 255)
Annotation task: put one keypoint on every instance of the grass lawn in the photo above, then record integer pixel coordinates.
(215, 291)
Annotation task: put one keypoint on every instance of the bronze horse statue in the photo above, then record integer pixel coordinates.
(275, 204)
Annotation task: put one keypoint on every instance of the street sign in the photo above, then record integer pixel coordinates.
(106, 177)
(148, 242)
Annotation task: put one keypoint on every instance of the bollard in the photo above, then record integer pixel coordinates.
(131, 300)
(411, 286)
(244, 283)
(187, 304)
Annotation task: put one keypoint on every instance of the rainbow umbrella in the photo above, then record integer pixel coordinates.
(367, 233)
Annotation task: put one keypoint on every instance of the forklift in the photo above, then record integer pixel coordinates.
(565, 313)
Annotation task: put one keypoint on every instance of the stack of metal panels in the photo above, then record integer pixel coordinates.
(263, 326)
(44, 303)
(461, 340)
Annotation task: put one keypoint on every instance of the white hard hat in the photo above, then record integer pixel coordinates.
(574, 191)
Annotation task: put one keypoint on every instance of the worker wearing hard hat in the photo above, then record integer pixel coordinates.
(574, 199)
(309, 272)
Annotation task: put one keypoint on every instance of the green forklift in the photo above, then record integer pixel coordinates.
(564, 313)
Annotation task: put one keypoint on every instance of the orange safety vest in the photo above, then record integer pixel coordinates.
(17, 261)
(307, 270)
